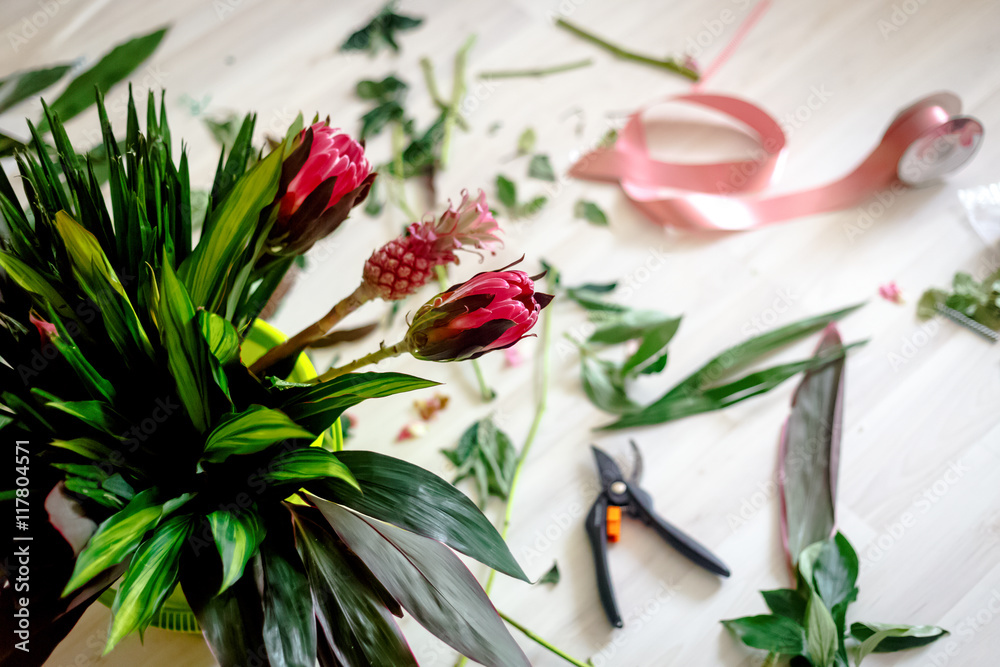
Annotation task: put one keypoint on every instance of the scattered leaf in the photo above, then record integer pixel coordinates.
(381, 31)
(487, 455)
(541, 168)
(591, 212)
(526, 142)
(551, 577)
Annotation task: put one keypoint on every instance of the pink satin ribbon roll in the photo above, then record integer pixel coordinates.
(924, 142)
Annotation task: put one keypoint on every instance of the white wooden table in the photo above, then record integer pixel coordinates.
(921, 451)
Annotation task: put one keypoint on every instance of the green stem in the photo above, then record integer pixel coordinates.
(457, 94)
(535, 638)
(544, 71)
(484, 389)
(398, 139)
(666, 63)
(771, 660)
(373, 358)
(522, 457)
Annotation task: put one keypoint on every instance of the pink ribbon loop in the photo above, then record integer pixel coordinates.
(924, 142)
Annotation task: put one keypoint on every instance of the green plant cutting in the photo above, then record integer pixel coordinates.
(165, 458)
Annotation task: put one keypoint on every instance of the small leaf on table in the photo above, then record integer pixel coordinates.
(591, 212)
(541, 168)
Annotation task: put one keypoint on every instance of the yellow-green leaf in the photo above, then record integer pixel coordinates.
(237, 536)
(250, 432)
(115, 539)
(151, 577)
(301, 465)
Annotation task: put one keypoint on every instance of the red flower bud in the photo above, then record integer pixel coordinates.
(490, 311)
(322, 179)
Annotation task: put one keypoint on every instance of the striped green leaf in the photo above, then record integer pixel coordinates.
(187, 352)
(99, 281)
(208, 271)
(223, 341)
(237, 536)
(315, 407)
(45, 295)
(302, 465)
(151, 577)
(251, 431)
(115, 539)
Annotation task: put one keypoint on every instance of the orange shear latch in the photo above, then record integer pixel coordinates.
(614, 523)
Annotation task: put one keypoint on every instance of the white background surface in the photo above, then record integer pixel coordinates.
(921, 398)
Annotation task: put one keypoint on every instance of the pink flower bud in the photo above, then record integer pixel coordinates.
(405, 264)
(490, 311)
(322, 179)
(46, 330)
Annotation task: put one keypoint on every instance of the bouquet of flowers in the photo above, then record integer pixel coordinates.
(167, 458)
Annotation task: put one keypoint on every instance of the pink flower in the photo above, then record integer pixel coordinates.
(322, 179)
(405, 264)
(891, 292)
(46, 330)
(490, 311)
(331, 155)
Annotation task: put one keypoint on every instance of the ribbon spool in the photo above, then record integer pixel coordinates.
(924, 142)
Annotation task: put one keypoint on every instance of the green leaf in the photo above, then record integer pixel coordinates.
(835, 571)
(486, 454)
(526, 142)
(151, 577)
(633, 324)
(389, 88)
(604, 385)
(506, 191)
(591, 212)
(769, 633)
(786, 602)
(316, 407)
(208, 270)
(381, 31)
(115, 539)
(115, 66)
(86, 447)
(99, 281)
(821, 633)
(375, 120)
(308, 463)
(531, 207)
(541, 168)
(353, 617)
(430, 583)
(289, 621)
(888, 638)
(551, 577)
(97, 414)
(22, 85)
(417, 500)
(223, 340)
(810, 452)
(251, 431)
(187, 351)
(34, 282)
(237, 536)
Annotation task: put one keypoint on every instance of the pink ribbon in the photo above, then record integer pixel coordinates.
(925, 141)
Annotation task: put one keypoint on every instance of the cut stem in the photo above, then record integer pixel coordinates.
(538, 640)
(519, 467)
(667, 63)
(373, 358)
(457, 95)
(485, 390)
(398, 139)
(314, 331)
(544, 71)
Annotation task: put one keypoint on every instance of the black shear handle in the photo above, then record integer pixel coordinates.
(597, 531)
(675, 537)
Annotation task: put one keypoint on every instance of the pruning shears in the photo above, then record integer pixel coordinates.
(604, 525)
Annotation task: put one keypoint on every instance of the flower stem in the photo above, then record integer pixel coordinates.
(398, 139)
(544, 71)
(457, 95)
(484, 389)
(522, 457)
(666, 63)
(535, 638)
(314, 331)
(373, 358)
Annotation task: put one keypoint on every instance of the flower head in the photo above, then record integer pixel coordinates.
(490, 311)
(322, 179)
(405, 264)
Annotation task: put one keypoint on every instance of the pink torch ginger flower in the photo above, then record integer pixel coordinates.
(490, 311)
(405, 264)
(322, 179)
